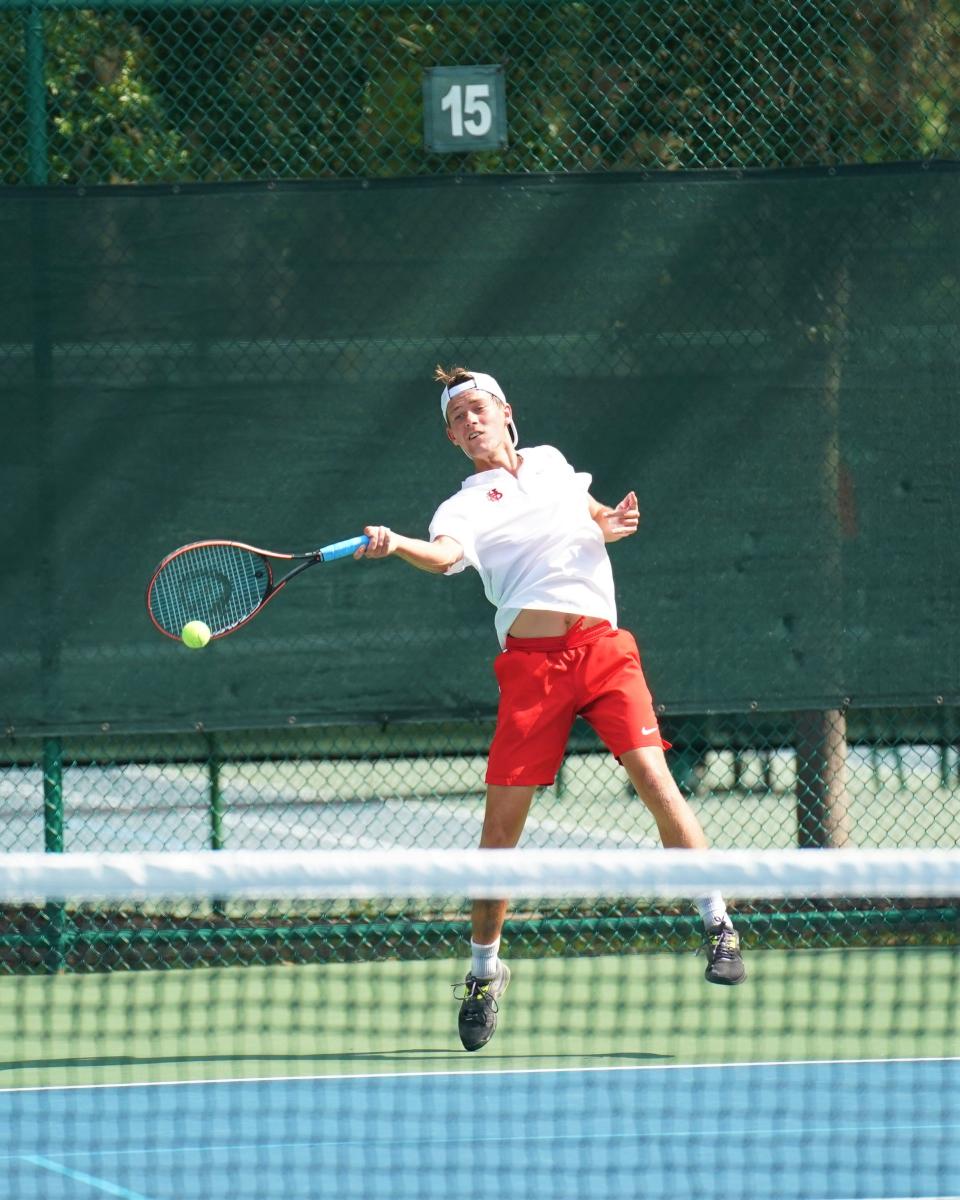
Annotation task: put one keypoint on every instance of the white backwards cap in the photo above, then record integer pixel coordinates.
(478, 382)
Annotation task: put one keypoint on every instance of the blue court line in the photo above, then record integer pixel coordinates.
(103, 1185)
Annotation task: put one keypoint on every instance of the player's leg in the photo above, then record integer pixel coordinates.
(676, 821)
(621, 710)
(533, 724)
(504, 817)
(488, 977)
(503, 820)
(679, 828)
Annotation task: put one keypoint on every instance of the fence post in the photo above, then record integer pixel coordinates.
(821, 779)
(38, 175)
(53, 796)
(38, 150)
(216, 808)
(214, 793)
(944, 748)
(53, 828)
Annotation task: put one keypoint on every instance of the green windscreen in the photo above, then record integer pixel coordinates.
(770, 361)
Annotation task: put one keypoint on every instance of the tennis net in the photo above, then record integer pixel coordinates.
(251, 1024)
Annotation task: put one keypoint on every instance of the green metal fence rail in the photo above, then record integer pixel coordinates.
(94, 93)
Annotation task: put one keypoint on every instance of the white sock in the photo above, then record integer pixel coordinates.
(483, 959)
(712, 909)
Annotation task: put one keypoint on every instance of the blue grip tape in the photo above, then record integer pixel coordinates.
(342, 549)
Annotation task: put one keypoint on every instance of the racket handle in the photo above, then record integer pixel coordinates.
(342, 549)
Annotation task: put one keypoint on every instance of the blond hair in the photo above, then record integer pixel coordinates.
(451, 376)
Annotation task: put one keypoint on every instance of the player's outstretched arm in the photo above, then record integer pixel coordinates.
(435, 556)
(619, 522)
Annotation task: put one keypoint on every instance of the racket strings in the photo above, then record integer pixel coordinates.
(221, 585)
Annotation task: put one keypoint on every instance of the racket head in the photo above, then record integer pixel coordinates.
(220, 583)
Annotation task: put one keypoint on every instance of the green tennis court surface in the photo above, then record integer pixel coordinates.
(605, 1011)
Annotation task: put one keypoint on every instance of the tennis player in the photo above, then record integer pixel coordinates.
(526, 521)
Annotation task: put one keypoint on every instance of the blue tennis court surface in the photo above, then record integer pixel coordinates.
(854, 1130)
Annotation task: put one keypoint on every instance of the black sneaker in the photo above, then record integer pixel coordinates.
(478, 1012)
(722, 948)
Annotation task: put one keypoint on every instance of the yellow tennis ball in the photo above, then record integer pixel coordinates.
(195, 635)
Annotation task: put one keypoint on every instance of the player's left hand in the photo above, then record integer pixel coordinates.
(622, 521)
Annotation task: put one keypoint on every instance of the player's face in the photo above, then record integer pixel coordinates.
(477, 423)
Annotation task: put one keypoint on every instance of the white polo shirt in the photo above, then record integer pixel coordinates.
(532, 539)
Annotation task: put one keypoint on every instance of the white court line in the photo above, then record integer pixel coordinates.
(102, 1185)
(472, 1138)
(470, 1074)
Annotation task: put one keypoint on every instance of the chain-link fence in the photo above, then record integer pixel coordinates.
(172, 93)
(366, 788)
(894, 780)
(357, 788)
(749, 352)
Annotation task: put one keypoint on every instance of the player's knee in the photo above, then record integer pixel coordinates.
(650, 775)
(501, 831)
(498, 838)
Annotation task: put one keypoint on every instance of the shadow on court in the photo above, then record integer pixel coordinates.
(440, 1055)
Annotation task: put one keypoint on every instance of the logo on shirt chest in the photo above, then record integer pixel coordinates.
(494, 494)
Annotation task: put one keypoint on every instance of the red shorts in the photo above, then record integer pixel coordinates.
(546, 682)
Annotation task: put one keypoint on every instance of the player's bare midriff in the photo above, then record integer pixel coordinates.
(542, 623)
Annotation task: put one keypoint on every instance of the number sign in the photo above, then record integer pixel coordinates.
(464, 109)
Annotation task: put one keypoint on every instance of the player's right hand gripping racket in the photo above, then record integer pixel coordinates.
(224, 584)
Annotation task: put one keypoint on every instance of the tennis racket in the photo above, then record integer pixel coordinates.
(225, 584)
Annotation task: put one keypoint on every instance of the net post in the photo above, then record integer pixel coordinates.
(53, 840)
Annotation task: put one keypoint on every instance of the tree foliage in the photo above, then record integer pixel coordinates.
(192, 94)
